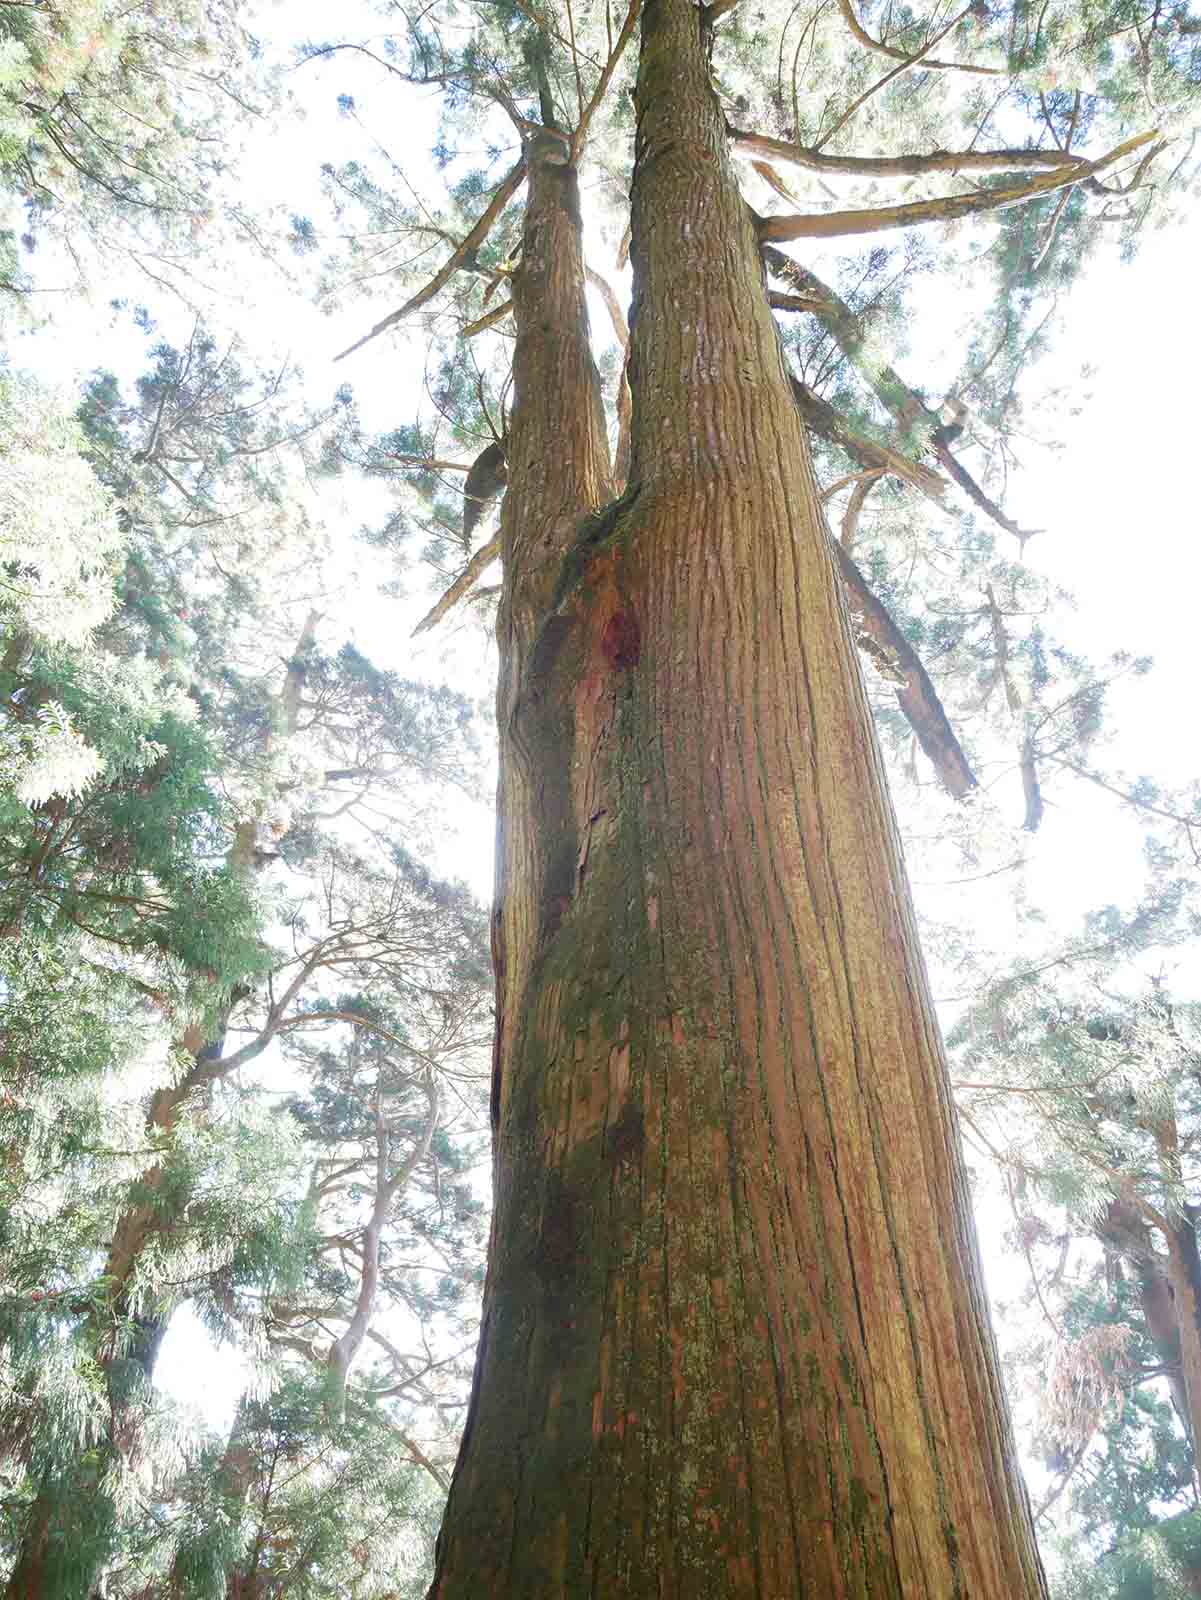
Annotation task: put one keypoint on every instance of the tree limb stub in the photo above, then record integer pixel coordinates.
(917, 697)
(794, 302)
(488, 320)
(488, 475)
(945, 208)
(501, 196)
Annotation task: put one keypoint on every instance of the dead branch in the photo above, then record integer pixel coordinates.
(904, 403)
(820, 416)
(501, 196)
(482, 558)
(488, 320)
(850, 517)
(917, 697)
(625, 403)
(944, 208)
(864, 37)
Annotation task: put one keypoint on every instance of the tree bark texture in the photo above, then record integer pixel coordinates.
(735, 1341)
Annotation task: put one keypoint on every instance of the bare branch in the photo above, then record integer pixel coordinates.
(621, 331)
(488, 320)
(749, 144)
(945, 208)
(850, 517)
(483, 557)
(853, 23)
(879, 635)
(821, 417)
(617, 316)
(429, 463)
(905, 404)
(501, 196)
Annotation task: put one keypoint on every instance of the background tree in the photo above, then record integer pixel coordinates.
(121, 128)
(187, 872)
(1099, 1170)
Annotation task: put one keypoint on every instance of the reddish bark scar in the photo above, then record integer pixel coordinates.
(621, 641)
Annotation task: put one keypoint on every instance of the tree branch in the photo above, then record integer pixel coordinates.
(602, 83)
(944, 208)
(853, 23)
(501, 196)
(879, 635)
(820, 416)
(750, 144)
(483, 557)
(488, 320)
(625, 402)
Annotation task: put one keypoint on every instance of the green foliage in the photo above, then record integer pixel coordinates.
(119, 127)
(170, 913)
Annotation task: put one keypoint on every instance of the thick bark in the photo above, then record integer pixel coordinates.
(735, 1341)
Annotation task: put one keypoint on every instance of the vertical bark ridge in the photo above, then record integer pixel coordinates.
(558, 473)
(736, 1343)
(842, 1026)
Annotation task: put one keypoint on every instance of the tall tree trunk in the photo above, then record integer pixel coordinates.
(734, 1341)
(1125, 1229)
(1184, 1269)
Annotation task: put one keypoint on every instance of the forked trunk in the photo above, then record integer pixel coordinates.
(735, 1341)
